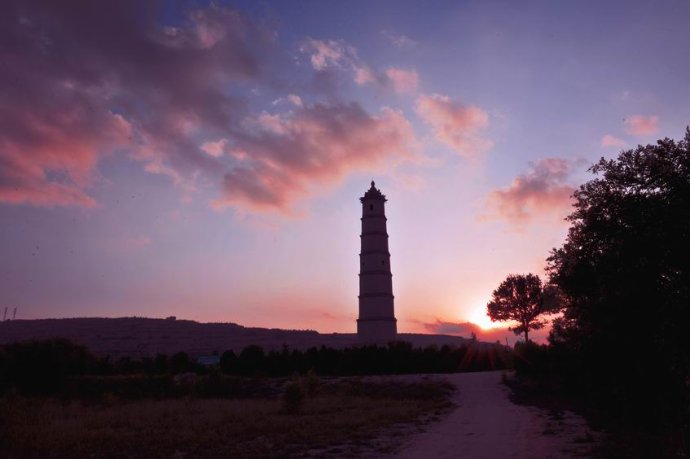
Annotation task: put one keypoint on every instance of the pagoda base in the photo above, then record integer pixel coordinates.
(377, 331)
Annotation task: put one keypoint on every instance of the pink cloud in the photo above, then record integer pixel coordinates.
(169, 96)
(399, 40)
(295, 100)
(318, 144)
(544, 190)
(364, 75)
(642, 125)
(292, 99)
(403, 80)
(85, 85)
(328, 53)
(49, 151)
(216, 148)
(458, 126)
(337, 54)
(137, 242)
(611, 141)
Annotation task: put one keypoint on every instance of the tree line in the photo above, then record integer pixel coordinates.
(47, 367)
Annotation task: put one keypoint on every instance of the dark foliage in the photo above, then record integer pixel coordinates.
(42, 367)
(293, 397)
(624, 271)
(396, 358)
(520, 298)
(58, 367)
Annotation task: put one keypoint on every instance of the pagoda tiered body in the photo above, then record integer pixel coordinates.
(376, 323)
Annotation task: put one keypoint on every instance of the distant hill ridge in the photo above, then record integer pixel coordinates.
(139, 336)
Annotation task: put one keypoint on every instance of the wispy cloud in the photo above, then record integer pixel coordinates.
(639, 125)
(404, 81)
(329, 55)
(611, 141)
(399, 40)
(293, 99)
(543, 190)
(459, 126)
(216, 148)
(317, 144)
(131, 84)
(166, 95)
(337, 54)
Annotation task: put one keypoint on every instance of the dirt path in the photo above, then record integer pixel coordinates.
(486, 424)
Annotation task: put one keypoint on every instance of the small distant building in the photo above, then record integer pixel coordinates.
(208, 360)
(376, 323)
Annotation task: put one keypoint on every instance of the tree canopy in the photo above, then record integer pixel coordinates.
(624, 271)
(520, 298)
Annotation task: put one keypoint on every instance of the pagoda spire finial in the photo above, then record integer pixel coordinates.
(373, 185)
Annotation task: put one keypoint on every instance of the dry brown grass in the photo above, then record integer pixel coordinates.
(335, 421)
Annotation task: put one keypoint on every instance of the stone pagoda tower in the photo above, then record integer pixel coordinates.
(376, 323)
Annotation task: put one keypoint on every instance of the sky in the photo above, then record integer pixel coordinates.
(205, 159)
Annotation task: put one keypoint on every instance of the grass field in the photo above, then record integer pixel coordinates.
(344, 417)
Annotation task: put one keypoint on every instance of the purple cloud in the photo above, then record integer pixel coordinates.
(639, 125)
(283, 154)
(82, 80)
(542, 190)
(457, 125)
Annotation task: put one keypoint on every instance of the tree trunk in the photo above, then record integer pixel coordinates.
(526, 334)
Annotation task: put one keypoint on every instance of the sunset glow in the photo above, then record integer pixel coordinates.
(205, 159)
(479, 317)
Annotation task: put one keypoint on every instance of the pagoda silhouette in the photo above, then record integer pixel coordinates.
(376, 323)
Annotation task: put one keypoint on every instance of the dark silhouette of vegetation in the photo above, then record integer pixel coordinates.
(58, 367)
(520, 298)
(395, 358)
(293, 397)
(625, 272)
(623, 276)
(42, 367)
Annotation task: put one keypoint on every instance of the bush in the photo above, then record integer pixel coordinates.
(293, 397)
(42, 367)
(310, 382)
(531, 359)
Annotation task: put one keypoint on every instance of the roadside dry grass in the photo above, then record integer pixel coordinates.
(344, 418)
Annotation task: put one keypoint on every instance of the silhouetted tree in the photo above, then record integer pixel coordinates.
(228, 361)
(42, 367)
(625, 273)
(520, 298)
(251, 360)
(179, 363)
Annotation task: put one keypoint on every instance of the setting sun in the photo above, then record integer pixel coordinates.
(478, 316)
